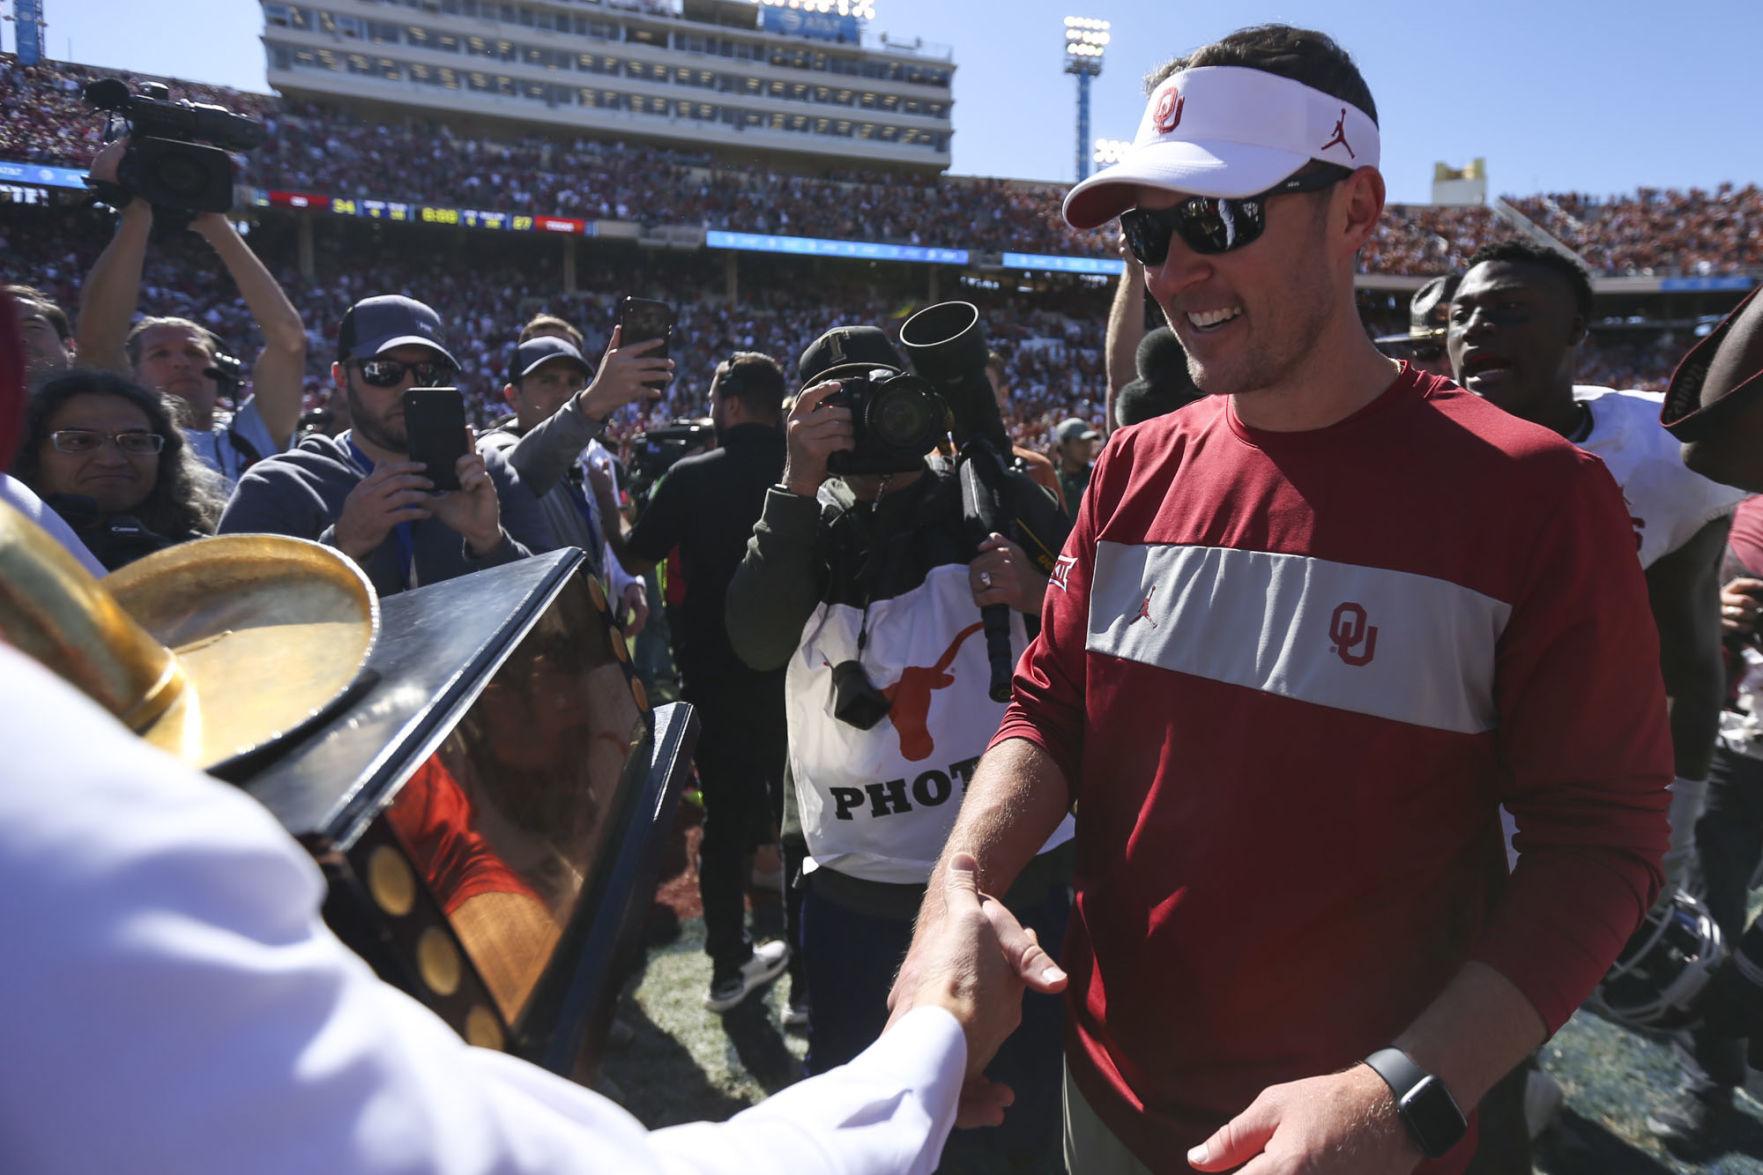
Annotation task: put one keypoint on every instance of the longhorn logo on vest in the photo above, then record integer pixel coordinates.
(1348, 628)
(1167, 116)
(910, 699)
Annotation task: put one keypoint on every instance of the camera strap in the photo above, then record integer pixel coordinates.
(872, 564)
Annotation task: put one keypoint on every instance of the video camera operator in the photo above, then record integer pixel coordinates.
(866, 586)
(177, 356)
(649, 455)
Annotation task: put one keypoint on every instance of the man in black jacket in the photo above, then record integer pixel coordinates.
(705, 508)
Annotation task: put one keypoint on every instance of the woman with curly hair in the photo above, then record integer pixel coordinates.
(107, 455)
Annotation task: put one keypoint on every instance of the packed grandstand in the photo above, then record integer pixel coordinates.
(487, 284)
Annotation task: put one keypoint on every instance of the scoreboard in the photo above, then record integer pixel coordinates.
(479, 218)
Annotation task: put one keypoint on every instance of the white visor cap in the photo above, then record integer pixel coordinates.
(1223, 130)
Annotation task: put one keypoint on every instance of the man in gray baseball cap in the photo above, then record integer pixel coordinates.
(561, 404)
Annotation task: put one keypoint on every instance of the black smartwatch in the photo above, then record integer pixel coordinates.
(1426, 1107)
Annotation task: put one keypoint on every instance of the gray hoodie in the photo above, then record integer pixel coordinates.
(301, 492)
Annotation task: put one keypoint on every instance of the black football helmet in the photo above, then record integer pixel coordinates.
(1657, 979)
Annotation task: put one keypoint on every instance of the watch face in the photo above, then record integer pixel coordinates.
(1433, 1117)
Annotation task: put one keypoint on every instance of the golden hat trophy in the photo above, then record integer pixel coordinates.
(473, 764)
(212, 650)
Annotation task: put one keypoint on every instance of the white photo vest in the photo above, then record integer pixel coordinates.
(878, 804)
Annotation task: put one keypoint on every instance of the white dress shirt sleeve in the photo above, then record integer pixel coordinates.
(176, 1003)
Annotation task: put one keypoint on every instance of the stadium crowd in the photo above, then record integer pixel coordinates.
(1054, 367)
(332, 151)
(1658, 230)
(486, 286)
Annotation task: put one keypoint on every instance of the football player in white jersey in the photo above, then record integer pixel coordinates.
(1516, 322)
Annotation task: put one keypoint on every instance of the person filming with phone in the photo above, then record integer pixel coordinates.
(402, 492)
(561, 405)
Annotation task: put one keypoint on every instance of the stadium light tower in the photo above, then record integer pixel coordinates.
(1086, 39)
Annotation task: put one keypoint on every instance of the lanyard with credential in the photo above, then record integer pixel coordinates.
(401, 532)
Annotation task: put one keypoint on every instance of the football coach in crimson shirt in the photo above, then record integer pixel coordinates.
(1307, 635)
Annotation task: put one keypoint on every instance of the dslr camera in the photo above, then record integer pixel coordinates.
(177, 155)
(896, 418)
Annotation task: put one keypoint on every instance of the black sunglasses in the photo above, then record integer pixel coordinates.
(389, 373)
(1214, 225)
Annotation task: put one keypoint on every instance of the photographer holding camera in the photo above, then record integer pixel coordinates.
(182, 358)
(863, 582)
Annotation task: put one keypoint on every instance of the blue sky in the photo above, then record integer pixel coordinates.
(1556, 94)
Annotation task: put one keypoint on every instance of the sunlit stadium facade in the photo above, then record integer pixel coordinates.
(703, 74)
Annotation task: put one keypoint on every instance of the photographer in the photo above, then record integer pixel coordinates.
(362, 494)
(705, 507)
(867, 590)
(176, 356)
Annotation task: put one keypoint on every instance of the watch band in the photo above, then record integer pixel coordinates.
(1431, 1115)
(1398, 1070)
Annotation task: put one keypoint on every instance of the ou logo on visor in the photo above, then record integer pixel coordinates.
(1348, 629)
(1167, 115)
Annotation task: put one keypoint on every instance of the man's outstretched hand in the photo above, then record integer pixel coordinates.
(975, 961)
(1345, 1122)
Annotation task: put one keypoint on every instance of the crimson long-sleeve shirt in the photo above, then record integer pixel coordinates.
(1290, 676)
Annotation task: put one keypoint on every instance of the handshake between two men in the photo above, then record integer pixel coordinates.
(975, 961)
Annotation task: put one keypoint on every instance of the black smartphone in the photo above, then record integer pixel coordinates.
(643, 319)
(434, 422)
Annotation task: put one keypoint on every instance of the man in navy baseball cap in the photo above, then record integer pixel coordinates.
(361, 493)
(374, 326)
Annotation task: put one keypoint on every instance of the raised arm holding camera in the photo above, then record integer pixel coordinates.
(862, 581)
(152, 177)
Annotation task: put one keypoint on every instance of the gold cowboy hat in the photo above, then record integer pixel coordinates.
(1429, 314)
(211, 650)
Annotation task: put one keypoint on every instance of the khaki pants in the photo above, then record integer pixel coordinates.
(1090, 1147)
